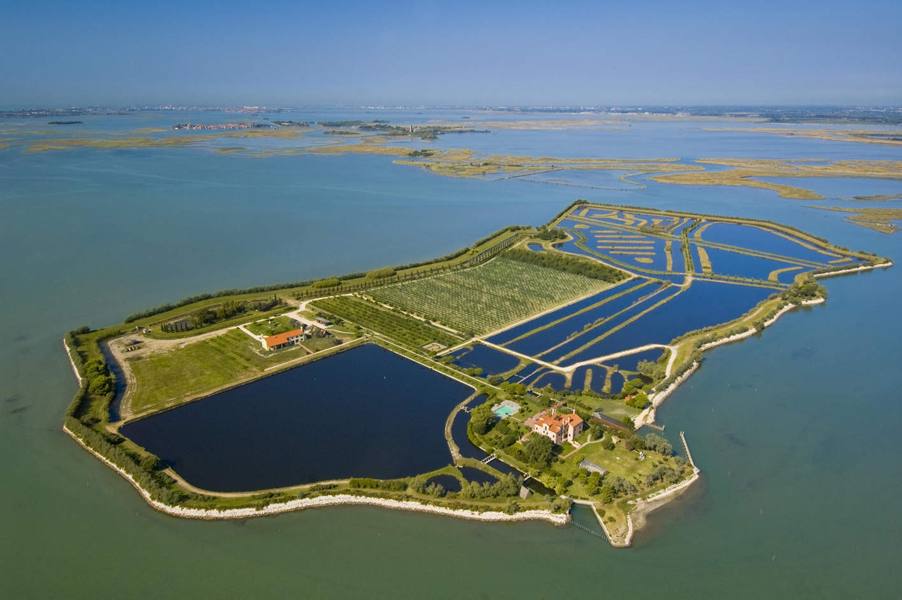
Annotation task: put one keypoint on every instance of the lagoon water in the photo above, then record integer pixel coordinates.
(796, 431)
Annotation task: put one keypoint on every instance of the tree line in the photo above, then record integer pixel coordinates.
(221, 312)
(569, 264)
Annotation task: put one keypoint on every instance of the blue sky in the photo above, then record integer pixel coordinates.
(526, 53)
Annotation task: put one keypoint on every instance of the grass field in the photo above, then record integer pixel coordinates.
(273, 325)
(169, 377)
(618, 461)
(486, 297)
(409, 331)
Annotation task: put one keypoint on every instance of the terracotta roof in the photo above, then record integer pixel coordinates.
(573, 418)
(282, 338)
(555, 422)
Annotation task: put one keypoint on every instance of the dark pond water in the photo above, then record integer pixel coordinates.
(644, 302)
(476, 401)
(477, 475)
(631, 361)
(536, 247)
(459, 435)
(724, 262)
(599, 375)
(538, 487)
(505, 468)
(509, 334)
(679, 228)
(542, 340)
(704, 304)
(754, 238)
(578, 379)
(679, 263)
(527, 375)
(556, 380)
(618, 380)
(449, 482)
(315, 422)
(491, 361)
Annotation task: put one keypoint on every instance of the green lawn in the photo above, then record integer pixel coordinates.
(315, 344)
(615, 408)
(169, 377)
(273, 325)
(486, 297)
(618, 461)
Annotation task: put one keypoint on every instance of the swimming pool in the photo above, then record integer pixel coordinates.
(505, 409)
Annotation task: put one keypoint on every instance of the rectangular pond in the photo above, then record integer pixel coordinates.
(704, 304)
(737, 264)
(488, 359)
(540, 341)
(364, 412)
(756, 238)
(633, 311)
(518, 330)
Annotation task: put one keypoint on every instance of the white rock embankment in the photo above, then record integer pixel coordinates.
(324, 501)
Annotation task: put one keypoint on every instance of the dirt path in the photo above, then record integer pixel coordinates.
(147, 347)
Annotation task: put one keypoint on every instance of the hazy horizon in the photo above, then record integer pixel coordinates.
(441, 54)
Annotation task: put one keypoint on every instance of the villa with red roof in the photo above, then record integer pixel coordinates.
(559, 428)
(282, 340)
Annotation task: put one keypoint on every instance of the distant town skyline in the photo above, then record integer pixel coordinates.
(461, 53)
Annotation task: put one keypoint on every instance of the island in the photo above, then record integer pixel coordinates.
(515, 379)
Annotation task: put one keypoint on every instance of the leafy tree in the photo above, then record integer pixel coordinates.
(661, 473)
(658, 444)
(619, 486)
(633, 385)
(567, 263)
(607, 494)
(481, 419)
(650, 369)
(538, 451)
(634, 443)
(638, 400)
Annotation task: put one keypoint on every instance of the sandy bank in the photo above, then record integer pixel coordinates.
(883, 265)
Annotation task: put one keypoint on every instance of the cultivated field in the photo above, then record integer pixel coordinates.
(407, 330)
(168, 377)
(486, 297)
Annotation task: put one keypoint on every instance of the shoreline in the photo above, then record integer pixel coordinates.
(646, 505)
(647, 416)
(72, 361)
(858, 269)
(323, 501)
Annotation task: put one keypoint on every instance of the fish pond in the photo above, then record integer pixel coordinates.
(310, 423)
(459, 434)
(491, 361)
(704, 304)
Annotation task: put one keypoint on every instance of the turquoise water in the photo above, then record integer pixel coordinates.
(504, 411)
(796, 431)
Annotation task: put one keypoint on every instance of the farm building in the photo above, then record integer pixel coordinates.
(283, 340)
